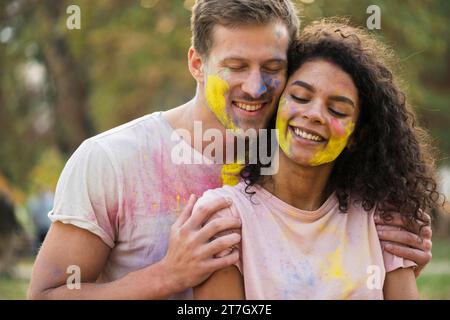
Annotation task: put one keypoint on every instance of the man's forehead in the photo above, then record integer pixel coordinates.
(247, 42)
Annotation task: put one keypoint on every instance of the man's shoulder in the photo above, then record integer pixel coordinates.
(128, 142)
(146, 132)
(137, 128)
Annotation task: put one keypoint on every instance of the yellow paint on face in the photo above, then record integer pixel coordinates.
(284, 136)
(230, 173)
(334, 147)
(216, 88)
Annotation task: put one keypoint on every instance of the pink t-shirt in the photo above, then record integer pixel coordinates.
(123, 186)
(288, 253)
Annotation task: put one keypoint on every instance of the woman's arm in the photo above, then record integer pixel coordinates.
(400, 284)
(225, 284)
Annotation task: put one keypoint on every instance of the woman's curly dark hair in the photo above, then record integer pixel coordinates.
(389, 162)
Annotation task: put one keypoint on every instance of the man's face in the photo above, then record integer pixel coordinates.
(245, 73)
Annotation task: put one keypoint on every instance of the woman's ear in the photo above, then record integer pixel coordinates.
(196, 64)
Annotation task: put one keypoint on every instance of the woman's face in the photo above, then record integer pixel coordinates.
(317, 113)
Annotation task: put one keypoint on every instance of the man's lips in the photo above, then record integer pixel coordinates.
(249, 106)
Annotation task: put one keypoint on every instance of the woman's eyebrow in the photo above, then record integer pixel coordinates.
(304, 85)
(342, 99)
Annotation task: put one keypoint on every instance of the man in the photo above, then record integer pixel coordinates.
(118, 198)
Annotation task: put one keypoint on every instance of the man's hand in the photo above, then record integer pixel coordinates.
(190, 257)
(413, 244)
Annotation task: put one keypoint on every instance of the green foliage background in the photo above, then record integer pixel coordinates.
(130, 58)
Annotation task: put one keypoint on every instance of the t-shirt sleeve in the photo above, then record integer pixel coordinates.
(393, 262)
(87, 192)
(227, 212)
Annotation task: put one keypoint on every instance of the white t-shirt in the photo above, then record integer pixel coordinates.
(123, 186)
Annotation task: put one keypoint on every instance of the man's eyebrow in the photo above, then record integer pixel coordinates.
(279, 60)
(237, 58)
(233, 59)
(304, 85)
(342, 99)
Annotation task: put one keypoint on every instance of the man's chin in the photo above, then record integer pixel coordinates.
(249, 127)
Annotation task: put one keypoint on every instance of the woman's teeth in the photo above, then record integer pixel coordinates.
(307, 136)
(248, 107)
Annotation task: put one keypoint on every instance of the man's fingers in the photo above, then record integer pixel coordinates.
(401, 236)
(205, 210)
(213, 227)
(397, 221)
(186, 212)
(220, 263)
(222, 243)
(418, 256)
(426, 233)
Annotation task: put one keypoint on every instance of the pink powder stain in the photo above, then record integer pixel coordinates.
(113, 214)
(180, 181)
(166, 189)
(92, 217)
(337, 127)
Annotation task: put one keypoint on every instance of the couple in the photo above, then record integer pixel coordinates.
(124, 212)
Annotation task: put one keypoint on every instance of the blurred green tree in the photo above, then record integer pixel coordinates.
(60, 86)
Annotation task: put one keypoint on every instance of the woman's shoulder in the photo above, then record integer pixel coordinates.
(239, 195)
(234, 192)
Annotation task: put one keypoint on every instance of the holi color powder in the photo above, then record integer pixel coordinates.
(230, 173)
(283, 134)
(216, 88)
(334, 147)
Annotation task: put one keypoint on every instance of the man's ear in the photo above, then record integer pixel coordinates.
(196, 64)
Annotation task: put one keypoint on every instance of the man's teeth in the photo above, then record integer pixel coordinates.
(306, 135)
(248, 107)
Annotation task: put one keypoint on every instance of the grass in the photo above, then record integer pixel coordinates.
(13, 288)
(433, 283)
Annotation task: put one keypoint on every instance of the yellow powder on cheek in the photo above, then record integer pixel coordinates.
(216, 88)
(281, 125)
(333, 148)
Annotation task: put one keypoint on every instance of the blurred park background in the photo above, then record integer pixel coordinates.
(60, 86)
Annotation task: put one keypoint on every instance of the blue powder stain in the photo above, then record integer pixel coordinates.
(262, 89)
(277, 83)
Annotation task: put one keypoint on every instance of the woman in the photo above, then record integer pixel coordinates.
(348, 148)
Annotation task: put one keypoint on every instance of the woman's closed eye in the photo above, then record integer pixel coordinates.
(337, 113)
(300, 99)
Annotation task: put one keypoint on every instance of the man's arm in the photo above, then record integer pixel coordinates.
(414, 245)
(188, 262)
(400, 284)
(225, 284)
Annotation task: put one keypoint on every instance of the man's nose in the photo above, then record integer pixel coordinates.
(254, 85)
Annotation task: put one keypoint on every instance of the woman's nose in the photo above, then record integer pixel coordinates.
(313, 111)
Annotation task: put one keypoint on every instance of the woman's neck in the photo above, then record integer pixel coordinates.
(304, 187)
